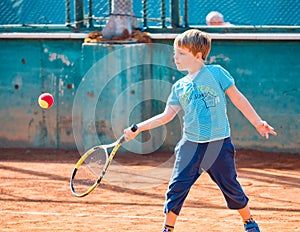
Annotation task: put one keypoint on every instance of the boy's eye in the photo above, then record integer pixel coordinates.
(179, 53)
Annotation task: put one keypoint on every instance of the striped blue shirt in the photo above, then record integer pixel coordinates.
(204, 103)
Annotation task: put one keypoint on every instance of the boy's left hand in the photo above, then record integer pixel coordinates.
(264, 129)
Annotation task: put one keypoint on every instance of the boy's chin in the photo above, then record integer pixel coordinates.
(181, 69)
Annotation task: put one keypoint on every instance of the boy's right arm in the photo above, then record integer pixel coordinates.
(156, 121)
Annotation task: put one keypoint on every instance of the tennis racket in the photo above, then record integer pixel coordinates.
(92, 166)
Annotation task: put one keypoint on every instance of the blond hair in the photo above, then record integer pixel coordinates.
(195, 41)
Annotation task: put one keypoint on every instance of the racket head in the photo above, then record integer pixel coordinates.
(88, 171)
(91, 167)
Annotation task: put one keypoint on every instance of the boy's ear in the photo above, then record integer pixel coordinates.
(199, 55)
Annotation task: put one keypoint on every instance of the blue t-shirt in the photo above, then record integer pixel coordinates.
(204, 103)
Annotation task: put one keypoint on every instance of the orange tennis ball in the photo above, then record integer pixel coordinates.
(46, 100)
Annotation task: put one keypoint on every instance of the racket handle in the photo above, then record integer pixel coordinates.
(134, 127)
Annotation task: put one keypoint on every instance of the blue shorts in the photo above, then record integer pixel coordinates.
(217, 158)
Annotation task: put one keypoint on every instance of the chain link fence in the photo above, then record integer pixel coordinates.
(150, 13)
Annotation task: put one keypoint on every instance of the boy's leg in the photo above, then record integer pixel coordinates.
(185, 173)
(245, 213)
(223, 173)
(170, 219)
(249, 224)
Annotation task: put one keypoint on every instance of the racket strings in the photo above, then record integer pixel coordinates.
(89, 171)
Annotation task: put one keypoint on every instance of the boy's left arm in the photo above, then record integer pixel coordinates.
(241, 102)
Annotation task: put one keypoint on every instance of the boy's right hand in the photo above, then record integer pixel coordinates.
(129, 134)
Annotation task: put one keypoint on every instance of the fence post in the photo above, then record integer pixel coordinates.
(163, 13)
(68, 13)
(145, 13)
(175, 15)
(78, 14)
(90, 21)
(186, 13)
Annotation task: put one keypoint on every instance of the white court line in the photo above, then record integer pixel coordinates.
(112, 216)
(86, 215)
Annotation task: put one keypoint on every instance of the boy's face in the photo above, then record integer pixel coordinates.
(186, 60)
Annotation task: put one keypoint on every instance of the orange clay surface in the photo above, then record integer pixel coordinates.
(35, 195)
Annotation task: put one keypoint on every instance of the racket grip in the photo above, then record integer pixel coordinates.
(134, 127)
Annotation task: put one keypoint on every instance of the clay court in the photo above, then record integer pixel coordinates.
(35, 195)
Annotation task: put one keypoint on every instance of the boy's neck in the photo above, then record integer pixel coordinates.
(193, 73)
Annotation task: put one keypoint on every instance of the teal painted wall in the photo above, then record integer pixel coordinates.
(99, 89)
(268, 74)
(28, 68)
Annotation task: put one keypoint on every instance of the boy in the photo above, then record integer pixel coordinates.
(205, 142)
